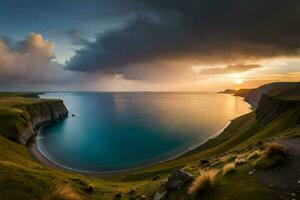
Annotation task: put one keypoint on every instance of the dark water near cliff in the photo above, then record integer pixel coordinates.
(117, 131)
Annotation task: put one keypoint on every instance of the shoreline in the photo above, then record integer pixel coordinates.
(36, 154)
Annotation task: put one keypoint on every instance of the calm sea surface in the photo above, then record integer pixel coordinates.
(118, 131)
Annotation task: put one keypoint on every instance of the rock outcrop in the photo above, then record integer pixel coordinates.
(269, 108)
(32, 116)
(178, 179)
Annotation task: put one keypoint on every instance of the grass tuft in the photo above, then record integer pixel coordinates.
(274, 156)
(90, 188)
(228, 168)
(203, 182)
(255, 154)
(274, 149)
(61, 192)
(227, 158)
(240, 161)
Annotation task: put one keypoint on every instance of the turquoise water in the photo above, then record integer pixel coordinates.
(118, 131)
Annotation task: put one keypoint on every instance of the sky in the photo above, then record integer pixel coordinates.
(142, 45)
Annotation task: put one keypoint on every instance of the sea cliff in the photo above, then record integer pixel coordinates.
(269, 108)
(254, 95)
(32, 115)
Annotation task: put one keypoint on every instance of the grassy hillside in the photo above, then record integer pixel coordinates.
(10, 113)
(21, 177)
(18, 114)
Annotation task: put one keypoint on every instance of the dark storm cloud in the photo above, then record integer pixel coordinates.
(229, 69)
(198, 31)
(77, 37)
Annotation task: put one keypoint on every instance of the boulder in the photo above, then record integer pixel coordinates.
(118, 194)
(160, 195)
(204, 162)
(178, 179)
(156, 178)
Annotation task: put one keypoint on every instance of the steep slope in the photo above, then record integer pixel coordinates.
(271, 107)
(253, 96)
(21, 117)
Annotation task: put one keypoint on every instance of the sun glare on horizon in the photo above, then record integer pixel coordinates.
(238, 81)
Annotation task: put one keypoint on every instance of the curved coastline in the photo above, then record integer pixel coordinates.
(38, 155)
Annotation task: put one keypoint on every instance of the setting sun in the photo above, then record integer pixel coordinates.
(238, 81)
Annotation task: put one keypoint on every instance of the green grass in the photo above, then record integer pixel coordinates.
(21, 177)
(273, 156)
(239, 185)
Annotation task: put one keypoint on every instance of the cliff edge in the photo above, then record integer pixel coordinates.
(270, 107)
(254, 95)
(28, 115)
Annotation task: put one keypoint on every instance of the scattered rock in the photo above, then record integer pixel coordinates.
(156, 178)
(163, 182)
(178, 179)
(259, 144)
(132, 192)
(271, 186)
(160, 196)
(204, 162)
(90, 188)
(292, 194)
(118, 194)
(251, 173)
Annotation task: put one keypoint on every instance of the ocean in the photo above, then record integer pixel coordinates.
(112, 131)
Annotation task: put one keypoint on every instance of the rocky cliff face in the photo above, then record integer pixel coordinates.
(269, 108)
(35, 114)
(254, 95)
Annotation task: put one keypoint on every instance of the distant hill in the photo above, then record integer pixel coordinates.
(252, 96)
(228, 91)
(243, 92)
(240, 92)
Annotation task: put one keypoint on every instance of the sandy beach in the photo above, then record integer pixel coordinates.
(35, 153)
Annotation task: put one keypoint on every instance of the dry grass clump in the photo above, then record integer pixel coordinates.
(228, 168)
(61, 192)
(90, 188)
(274, 149)
(274, 156)
(203, 182)
(255, 154)
(85, 185)
(240, 161)
(228, 158)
